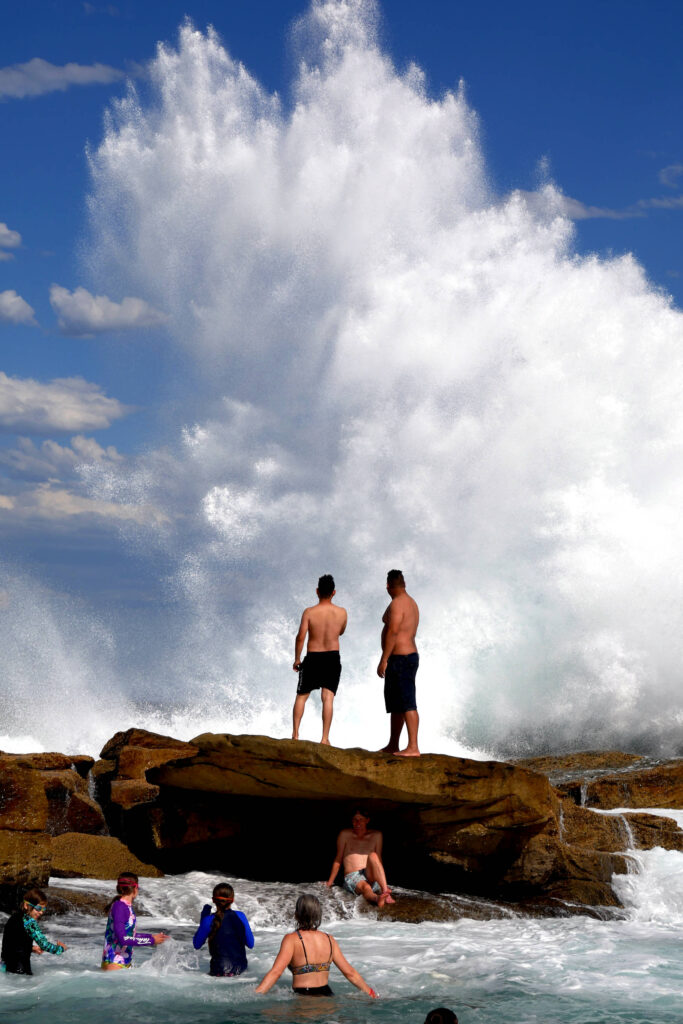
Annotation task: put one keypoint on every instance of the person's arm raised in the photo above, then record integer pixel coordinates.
(283, 958)
(349, 972)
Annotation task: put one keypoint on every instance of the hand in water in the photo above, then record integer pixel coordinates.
(160, 937)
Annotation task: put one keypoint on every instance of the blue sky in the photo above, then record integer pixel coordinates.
(587, 93)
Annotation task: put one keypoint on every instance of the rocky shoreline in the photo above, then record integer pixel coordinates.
(512, 836)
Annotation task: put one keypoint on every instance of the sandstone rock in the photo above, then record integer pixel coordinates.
(24, 861)
(609, 832)
(75, 855)
(61, 900)
(484, 828)
(23, 803)
(657, 786)
(558, 766)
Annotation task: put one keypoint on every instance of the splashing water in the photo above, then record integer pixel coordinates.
(387, 364)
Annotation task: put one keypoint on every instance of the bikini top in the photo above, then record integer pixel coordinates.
(311, 968)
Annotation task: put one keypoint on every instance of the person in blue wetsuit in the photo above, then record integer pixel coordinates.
(228, 933)
(120, 935)
(22, 936)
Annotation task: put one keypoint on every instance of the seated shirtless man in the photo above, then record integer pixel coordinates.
(360, 850)
(321, 668)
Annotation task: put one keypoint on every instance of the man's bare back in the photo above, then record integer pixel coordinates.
(323, 624)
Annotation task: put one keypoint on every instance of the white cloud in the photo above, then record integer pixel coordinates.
(68, 404)
(669, 175)
(55, 460)
(15, 310)
(9, 239)
(54, 502)
(577, 210)
(38, 76)
(81, 314)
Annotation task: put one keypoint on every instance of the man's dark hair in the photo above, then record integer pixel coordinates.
(362, 811)
(326, 585)
(441, 1016)
(395, 576)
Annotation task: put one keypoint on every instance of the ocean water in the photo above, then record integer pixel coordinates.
(514, 970)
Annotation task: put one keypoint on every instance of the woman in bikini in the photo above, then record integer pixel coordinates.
(309, 954)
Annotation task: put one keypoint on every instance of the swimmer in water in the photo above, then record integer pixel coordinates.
(120, 935)
(22, 936)
(228, 933)
(309, 954)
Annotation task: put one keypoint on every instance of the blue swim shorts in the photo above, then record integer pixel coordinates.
(399, 683)
(354, 877)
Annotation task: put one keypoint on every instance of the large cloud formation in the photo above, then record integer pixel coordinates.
(389, 365)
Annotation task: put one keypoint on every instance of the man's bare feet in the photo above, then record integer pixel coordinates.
(295, 735)
(387, 750)
(381, 900)
(326, 742)
(408, 752)
(386, 895)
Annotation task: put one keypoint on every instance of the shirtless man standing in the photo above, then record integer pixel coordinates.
(398, 664)
(360, 850)
(321, 668)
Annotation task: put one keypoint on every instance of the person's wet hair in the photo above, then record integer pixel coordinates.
(308, 912)
(223, 895)
(441, 1016)
(395, 576)
(362, 811)
(326, 585)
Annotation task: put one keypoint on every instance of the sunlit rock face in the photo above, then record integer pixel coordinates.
(272, 809)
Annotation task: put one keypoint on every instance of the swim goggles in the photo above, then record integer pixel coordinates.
(36, 906)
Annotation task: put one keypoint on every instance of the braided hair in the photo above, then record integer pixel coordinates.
(222, 895)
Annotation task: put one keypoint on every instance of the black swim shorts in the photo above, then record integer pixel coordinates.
(399, 683)
(319, 669)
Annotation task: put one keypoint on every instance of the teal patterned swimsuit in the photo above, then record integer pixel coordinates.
(41, 940)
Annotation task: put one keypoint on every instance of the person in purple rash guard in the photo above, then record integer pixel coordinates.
(120, 935)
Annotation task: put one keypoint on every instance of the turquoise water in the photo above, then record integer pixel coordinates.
(569, 971)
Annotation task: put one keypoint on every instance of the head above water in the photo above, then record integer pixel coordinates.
(223, 894)
(34, 901)
(441, 1016)
(395, 580)
(326, 586)
(127, 883)
(308, 912)
(360, 813)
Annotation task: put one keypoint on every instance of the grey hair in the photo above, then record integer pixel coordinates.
(308, 912)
